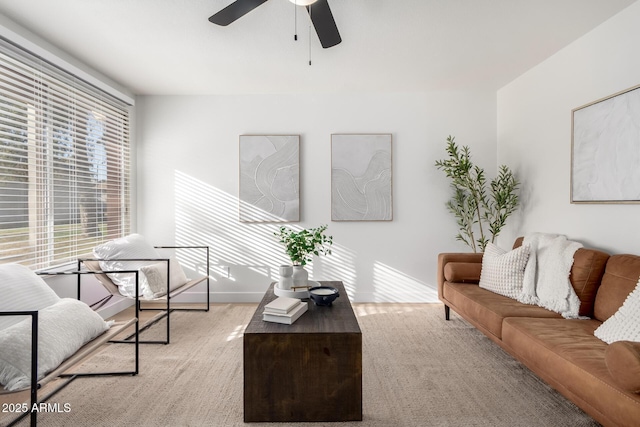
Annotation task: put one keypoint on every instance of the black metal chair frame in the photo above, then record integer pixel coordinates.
(165, 312)
(36, 385)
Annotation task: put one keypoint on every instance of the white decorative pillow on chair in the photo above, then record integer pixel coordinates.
(63, 328)
(624, 325)
(22, 289)
(156, 275)
(503, 272)
(133, 246)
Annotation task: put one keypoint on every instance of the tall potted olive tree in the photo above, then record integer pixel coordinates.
(480, 212)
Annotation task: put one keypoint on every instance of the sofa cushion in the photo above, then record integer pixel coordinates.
(488, 309)
(619, 280)
(565, 353)
(623, 361)
(502, 271)
(624, 325)
(463, 272)
(586, 275)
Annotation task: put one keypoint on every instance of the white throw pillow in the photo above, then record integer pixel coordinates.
(624, 325)
(156, 275)
(22, 289)
(63, 328)
(503, 272)
(133, 246)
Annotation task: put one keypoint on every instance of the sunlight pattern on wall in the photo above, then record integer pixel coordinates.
(393, 285)
(340, 265)
(208, 215)
(245, 252)
(245, 257)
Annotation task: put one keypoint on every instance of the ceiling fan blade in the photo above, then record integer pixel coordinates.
(324, 23)
(235, 10)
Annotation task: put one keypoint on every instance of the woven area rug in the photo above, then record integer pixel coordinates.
(418, 370)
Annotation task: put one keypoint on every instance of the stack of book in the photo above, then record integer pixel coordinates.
(284, 310)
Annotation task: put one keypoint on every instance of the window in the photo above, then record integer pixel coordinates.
(64, 163)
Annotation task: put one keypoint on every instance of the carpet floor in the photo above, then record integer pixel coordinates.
(418, 370)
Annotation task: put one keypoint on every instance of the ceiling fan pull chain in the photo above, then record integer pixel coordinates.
(310, 21)
(295, 21)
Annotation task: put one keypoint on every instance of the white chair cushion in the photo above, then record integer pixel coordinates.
(22, 289)
(156, 275)
(133, 246)
(63, 328)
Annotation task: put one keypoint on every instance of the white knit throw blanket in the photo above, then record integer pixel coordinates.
(546, 276)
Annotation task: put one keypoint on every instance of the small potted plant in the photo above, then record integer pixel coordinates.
(301, 246)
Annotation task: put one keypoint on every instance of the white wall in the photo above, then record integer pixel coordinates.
(534, 134)
(187, 171)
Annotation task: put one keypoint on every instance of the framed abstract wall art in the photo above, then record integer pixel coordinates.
(605, 150)
(269, 189)
(361, 177)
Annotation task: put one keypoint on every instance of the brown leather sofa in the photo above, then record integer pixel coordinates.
(602, 379)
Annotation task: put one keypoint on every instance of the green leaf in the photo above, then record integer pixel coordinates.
(301, 245)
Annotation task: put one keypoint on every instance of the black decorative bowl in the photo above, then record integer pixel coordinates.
(323, 295)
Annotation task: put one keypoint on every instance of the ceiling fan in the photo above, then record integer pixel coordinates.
(319, 12)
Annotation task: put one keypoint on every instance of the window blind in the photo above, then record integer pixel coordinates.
(64, 163)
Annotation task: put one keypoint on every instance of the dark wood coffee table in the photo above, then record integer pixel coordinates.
(308, 371)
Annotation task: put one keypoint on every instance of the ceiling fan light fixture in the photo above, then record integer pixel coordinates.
(303, 2)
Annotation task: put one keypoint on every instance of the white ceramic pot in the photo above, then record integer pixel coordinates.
(286, 277)
(300, 276)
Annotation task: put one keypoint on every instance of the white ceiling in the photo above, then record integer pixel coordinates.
(169, 46)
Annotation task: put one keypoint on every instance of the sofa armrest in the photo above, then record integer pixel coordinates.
(464, 266)
(623, 362)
